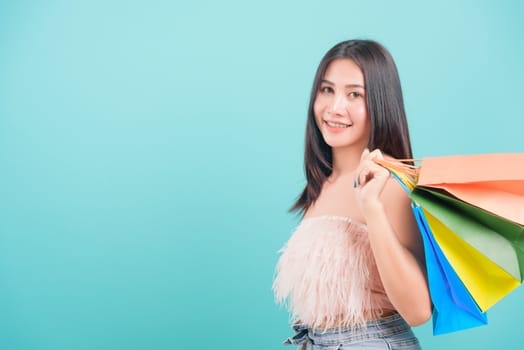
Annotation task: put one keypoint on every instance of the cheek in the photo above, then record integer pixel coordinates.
(361, 108)
(361, 111)
(316, 105)
(317, 110)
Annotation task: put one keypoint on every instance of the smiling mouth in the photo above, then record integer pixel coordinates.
(337, 125)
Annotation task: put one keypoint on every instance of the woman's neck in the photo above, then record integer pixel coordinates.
(345, 160)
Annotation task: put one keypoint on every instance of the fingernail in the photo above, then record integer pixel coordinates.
(358, 182)
(354, 184)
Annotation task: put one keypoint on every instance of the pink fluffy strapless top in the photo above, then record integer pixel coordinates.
(327, 274)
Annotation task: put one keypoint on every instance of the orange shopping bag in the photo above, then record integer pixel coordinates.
(493, 182)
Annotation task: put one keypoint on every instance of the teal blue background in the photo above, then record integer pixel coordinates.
(149, 151)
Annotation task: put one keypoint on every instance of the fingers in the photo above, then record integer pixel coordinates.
(364, 176)
(366, 154)
(368, 169)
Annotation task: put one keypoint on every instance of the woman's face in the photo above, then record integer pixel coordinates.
(340, 106)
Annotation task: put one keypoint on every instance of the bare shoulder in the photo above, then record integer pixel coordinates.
(394, 195)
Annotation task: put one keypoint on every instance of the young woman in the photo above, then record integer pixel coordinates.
(353, 271)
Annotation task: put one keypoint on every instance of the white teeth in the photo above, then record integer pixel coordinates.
(337, 125)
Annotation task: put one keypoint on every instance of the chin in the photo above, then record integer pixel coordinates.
(337, 143)
(345, 142)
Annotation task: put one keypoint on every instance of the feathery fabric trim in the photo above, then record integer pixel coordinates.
(327, 275)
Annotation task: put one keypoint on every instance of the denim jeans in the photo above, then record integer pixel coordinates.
(388, 333)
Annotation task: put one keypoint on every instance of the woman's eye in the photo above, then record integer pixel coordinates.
(355, 94)
(326, 89)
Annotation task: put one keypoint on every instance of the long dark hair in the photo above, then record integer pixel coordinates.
(385, 106)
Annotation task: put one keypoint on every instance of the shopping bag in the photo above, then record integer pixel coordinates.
(453, 307)
(494, 182)
(472, 209)
(485, 250)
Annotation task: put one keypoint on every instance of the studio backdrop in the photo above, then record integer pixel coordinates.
(150, 150)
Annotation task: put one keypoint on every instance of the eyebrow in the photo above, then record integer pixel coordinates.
(348, 85)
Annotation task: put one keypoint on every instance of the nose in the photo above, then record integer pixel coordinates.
(338, 104)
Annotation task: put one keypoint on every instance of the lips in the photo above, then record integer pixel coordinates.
(337, 125)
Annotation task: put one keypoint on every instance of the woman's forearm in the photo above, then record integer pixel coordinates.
(401, 273)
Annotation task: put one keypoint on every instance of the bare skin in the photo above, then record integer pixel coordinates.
(361, 189)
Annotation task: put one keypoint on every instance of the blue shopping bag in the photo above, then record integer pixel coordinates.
(453, 307)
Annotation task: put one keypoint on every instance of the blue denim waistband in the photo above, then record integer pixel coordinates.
(373, 329)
